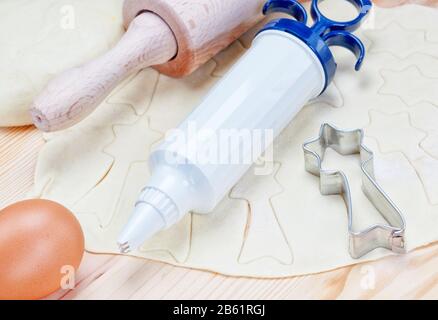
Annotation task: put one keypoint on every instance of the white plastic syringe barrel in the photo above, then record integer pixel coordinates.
(267, 87)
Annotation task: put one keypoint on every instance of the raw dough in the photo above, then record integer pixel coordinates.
(41, 38)
(274, 225)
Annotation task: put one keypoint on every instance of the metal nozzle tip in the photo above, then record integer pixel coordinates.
(124, 247)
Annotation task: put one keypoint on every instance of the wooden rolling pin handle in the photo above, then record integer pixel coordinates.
(76, 93)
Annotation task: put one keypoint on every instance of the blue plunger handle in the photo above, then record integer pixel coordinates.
(333, 33)
(324, 25)
(336, 33)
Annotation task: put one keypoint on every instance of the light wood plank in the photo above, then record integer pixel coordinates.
(414, 275)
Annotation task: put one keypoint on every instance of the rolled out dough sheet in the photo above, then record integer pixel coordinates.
(41, 38)
(277, 224)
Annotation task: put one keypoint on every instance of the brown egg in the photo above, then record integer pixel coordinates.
(39, 241)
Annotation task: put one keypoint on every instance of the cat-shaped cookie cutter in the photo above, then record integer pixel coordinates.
(348, 142)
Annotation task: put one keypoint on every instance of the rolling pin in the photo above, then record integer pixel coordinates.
(174, 36)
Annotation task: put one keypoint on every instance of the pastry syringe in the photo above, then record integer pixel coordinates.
(288, 64)
(174, 36)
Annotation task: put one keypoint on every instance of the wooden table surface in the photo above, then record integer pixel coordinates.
(414, 275)
(410, 276)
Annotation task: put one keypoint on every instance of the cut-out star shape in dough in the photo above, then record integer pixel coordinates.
(416, 87)
(397, 40)
(425, 115)
(262, 218)
(131, 145)
(395, 133)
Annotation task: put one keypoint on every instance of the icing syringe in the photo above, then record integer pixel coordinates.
(287, 65)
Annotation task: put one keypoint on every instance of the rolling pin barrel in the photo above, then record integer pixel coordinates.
(202, 28)
(175, 36)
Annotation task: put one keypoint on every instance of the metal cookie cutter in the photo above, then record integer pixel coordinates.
(348, 142)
